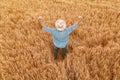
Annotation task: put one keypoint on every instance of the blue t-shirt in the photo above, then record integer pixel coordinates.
(60, 38)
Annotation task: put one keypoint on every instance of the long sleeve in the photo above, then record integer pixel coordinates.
(48, 29)
(71, 28)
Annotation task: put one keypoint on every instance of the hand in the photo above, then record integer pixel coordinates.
(40, 17)
(79, 18)
(41, 20)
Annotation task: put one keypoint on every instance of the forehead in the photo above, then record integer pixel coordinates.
(60, 21)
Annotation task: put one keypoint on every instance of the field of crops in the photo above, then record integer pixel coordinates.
(26, 51)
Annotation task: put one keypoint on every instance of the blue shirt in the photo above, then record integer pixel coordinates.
(60, 38)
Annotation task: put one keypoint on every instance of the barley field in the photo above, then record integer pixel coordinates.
(26, 51)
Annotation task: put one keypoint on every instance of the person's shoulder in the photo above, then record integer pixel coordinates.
(65, 29)
(55, 30)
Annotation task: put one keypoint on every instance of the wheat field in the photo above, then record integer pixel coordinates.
(26, 51)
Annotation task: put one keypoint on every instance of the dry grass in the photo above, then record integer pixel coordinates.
(26, 51)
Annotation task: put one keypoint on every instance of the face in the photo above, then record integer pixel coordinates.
(60, 24)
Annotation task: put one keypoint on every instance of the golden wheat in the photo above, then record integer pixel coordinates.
(26, 51)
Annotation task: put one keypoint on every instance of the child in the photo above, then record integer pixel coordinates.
(60, 34)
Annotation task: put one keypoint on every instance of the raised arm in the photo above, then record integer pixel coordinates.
(44, 27)
(79, 19)
(74, 26)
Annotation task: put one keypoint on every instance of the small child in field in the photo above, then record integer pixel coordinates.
(60, 34)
